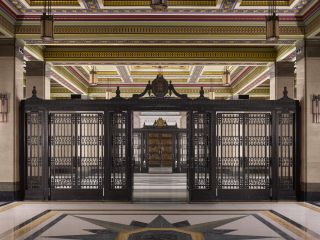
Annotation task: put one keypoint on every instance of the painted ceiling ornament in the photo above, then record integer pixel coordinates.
(47, 22)
(160, 229)
(272, 22)
(159, 5)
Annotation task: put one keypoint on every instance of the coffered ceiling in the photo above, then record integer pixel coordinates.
(188, 79)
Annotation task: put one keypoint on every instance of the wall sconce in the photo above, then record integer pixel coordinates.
(316, 109)
(3, 107)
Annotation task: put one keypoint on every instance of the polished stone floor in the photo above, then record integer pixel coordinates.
(159, 221)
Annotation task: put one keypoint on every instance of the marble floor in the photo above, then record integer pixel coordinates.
(159, 221)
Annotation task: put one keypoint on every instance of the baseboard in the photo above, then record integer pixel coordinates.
(9, 196)
(310, 196)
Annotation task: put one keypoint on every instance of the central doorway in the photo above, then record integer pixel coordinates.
(160, 156)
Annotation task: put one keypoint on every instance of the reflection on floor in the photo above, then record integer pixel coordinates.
(170, 187)
(108, 221)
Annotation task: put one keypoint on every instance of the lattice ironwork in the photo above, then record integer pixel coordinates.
(34, 151)
(286, 141)
(76, 150)
(180, 160)
(243, 150)
(139, 153)
(201, 163)
(119, 151)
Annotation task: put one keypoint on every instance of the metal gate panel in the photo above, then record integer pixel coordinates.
(35, 177)
(120, 172)
(76, 150)
(180, 160)
(139, 153)
(286, 157)
(199, 167)
(243, 153)
(257, 155)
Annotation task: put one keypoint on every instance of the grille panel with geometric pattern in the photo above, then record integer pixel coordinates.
(76, 150)
(243, 146)
(119, 132)
(34, 156)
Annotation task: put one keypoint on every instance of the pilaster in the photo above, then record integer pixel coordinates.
(11, 83)
(308, 84)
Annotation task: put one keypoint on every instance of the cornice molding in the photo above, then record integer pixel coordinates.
(135, 3)
(164, 30)
(161, 54)
(6, 27)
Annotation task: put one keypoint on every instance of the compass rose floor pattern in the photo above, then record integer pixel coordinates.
(159, 221)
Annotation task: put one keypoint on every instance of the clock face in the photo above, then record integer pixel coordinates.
(160, 86)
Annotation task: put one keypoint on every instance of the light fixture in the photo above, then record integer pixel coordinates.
(212, 94)
(93, 76)
(3, 107)
(316, 108)
(159, 5)
(109, 90)
(226, 76)
(272, 23)
(47, 28)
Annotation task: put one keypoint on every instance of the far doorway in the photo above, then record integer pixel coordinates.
(160, 157)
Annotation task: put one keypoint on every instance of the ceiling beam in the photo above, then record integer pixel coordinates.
(124, 74)
(68, 80)
(255, 83)
(249, 79)
(35, 51)
(195, 74)
(6, 26)
(313, 25)
(285, 51)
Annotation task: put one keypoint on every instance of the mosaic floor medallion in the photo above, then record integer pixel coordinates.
(157, 225)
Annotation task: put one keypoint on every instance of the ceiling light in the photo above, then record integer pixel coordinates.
(3, 107)
(159, 5)
(47, 28)
(226, 76)
(93, 76)
(272, 23)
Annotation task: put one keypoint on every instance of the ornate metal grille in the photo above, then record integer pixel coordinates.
(201, 163)
(139, 153)
(286, 151)
(243, 148)
(34, 152)
(76, 150)
(119, 151)
(180, 160)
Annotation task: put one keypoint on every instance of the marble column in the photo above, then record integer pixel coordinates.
(36, 77)
(308, 83)
(11, 83)
(283, 77)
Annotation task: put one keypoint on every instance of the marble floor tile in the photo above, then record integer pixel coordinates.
(159, 221)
